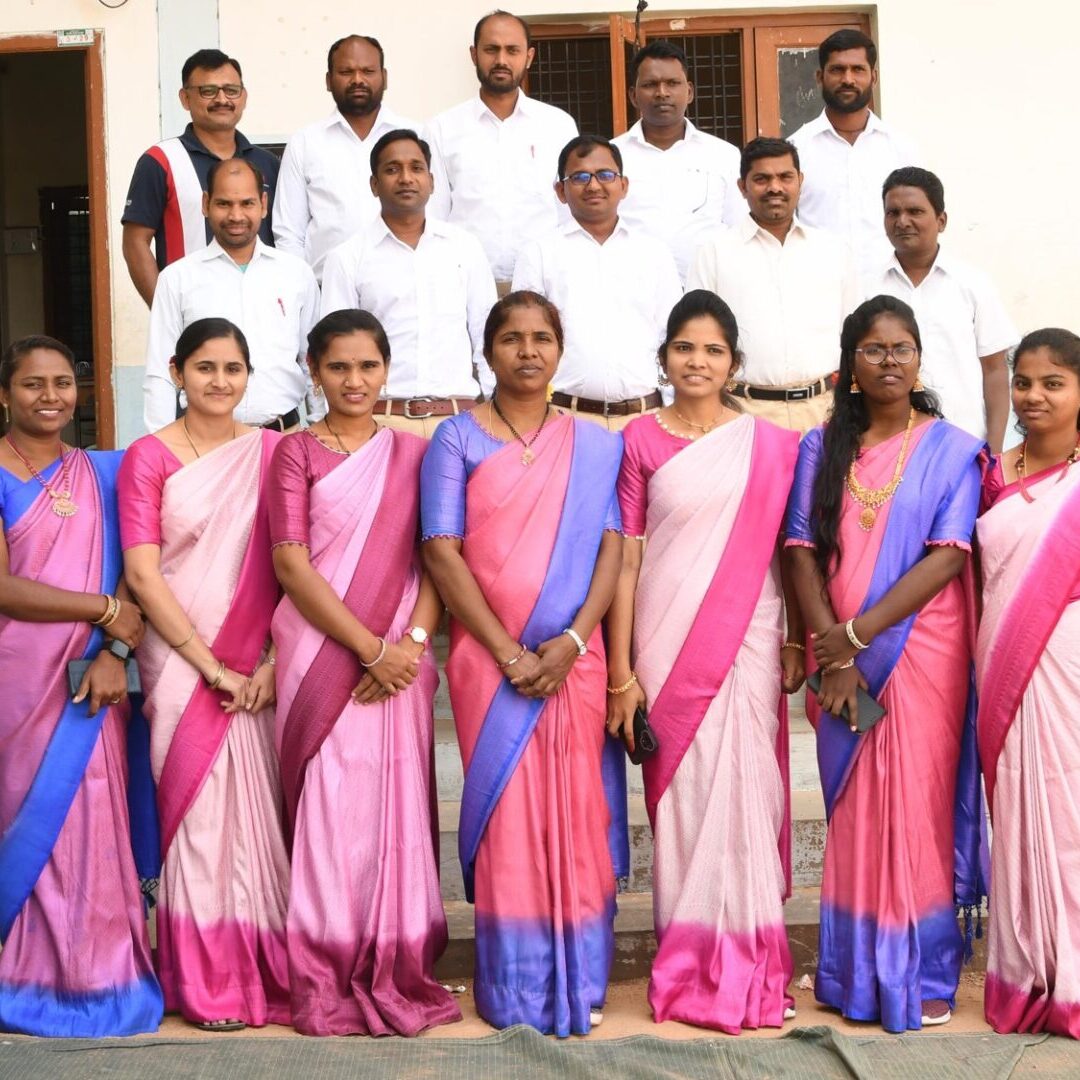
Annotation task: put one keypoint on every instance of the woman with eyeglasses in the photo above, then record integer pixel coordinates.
(1028, 664)
(74, 952)
(195, 528)
(879, 534)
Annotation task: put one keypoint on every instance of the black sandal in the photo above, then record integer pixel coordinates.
(222, 1025)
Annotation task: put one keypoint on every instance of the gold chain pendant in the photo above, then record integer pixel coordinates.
(527, 458)
(867, 518)
(62, 503)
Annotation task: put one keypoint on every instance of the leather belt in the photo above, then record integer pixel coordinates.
(283, 423)
(629, 407)
(420, 408)
(791, 393)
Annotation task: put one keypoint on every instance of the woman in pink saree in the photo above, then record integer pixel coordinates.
(74, 953)
(706, 486)
(1028, 665)
(194, 525)
(356, 683)
(879, 532)
(520, 527)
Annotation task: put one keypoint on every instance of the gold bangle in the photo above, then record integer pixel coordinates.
(219, 677)
(110, 614)
(794, 645)
(191, 634)
(114, 614)
(841, 667)
(616, 690)
(513, 659)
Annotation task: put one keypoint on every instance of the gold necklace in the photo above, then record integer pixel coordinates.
(194, 448)
(62, 503)
(528, 457)
(703, 428)
(672, 432)
(1021, 468)
(344, 449)
(872, 500)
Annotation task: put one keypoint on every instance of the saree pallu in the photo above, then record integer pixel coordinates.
(902, 850)
(225, 874)
(75, 958)
(533, 837)
(1028, 664)
(366, 922)
(708, 626)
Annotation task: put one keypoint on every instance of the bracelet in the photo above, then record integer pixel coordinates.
(849, 626)
(382, 653)
(575, 637)
(110, 614)
(270, 659)
(219, 677)
(186, 640)
(841, 667)
(794, 645)
(614, 691)
(513, 659)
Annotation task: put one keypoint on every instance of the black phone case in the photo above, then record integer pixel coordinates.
(870, 710)
(76, 669)
(644, 740)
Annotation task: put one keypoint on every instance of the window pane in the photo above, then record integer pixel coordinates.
(575, 74)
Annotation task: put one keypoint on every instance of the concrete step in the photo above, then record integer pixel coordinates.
(808, 844)
(635, 940)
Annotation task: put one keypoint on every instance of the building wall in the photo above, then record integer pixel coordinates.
(984, 86)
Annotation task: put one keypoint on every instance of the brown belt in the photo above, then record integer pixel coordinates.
(629, 407)
(420, 408)
(790, 393)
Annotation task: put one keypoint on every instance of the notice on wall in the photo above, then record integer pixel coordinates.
(74, 37)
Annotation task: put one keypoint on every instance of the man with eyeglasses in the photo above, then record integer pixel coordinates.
(426, 281)
(163, 218)
(614, 286)
(492, 155)
(966, 331)
(683, 181)
(790, 287)
(323, 196)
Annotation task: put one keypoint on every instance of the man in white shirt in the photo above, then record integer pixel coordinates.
(614, 286)
(683, 181)
(427, 282)
(966, 331)
(269, 294)
(848, 151)
(322, 191)
(790, 287)
(492, 156)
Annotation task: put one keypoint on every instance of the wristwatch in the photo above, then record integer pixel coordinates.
(119, 649)
(582, 648)
(419, 635)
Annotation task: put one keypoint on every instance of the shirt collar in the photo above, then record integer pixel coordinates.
(941, 263)
(214, 250)
(522, 107)
(378, 230)
(387, 119)
(821, 125)
(746, 228)
(637, 134)
(192, 144)
(572, 228)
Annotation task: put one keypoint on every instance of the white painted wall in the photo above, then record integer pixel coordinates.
(985, 86)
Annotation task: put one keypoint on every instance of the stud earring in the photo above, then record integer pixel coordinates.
(855, 387)
(730, 385)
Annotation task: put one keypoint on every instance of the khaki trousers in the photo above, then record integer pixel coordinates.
(609, 423)
(801, 416)
(423, 426)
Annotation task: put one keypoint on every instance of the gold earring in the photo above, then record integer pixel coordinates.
(318, 390)
(918, 387)
(855, 387)
(7, 415)
(662, 378)
(730, 385)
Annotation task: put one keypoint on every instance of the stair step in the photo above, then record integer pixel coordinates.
(808, 844)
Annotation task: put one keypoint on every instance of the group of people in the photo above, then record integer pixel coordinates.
(218, 642)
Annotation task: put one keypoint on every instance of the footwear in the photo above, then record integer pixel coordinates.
(222, 1025)
(935, 1013)
(596, 1017)
(789, 1013)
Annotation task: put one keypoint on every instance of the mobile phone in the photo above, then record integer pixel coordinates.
(870, 710)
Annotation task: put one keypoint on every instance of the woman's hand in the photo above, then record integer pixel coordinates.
(235, 686)
(128, 625)
(399, 666)
(522, 672)
(833, 646)
(105, 681)
(369, 691)
(555, 657)
(793, 665)
(261, 689)
(840, 688)
(620, 713)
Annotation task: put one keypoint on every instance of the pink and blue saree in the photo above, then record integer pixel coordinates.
(708, 626)
(903, 802)
(1028, 664)
(534, 831)
(75, 958)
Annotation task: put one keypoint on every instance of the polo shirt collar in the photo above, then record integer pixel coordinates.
(192, 144)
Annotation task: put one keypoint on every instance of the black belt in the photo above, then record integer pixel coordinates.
(420, 408)
(792, 393)
(283, 423)
(629, 407)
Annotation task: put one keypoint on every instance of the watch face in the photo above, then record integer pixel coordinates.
(418, 634)
(119, 649)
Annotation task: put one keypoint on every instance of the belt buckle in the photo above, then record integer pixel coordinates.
(801, 394)
(607, 405)
(406, 409)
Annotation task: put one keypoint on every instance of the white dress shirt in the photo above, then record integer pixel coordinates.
(842, 183)
(961, 318)
(682, 193)
(323, 191)
(274, 300)
(432, 300)
(496, 177)
(614, 299)
(790, 300)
